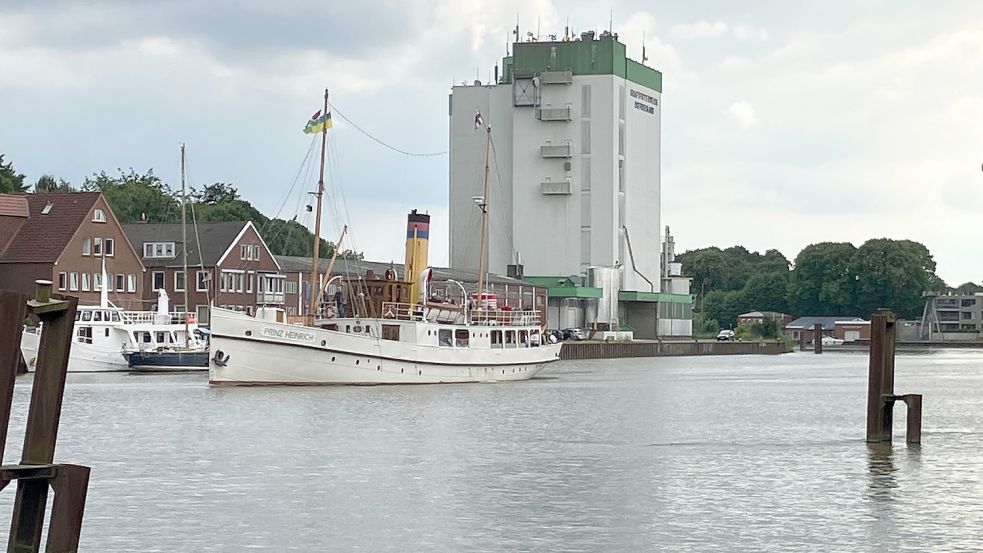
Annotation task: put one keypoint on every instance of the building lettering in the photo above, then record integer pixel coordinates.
(644, 98)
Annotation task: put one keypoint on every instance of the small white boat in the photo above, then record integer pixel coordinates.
(104, 333)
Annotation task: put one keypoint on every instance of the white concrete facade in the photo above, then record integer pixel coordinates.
(560, 214)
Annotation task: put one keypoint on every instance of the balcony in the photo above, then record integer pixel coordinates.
(269, 289)
(550, 150)
(550, 188)
(553, 114)
(556, 77)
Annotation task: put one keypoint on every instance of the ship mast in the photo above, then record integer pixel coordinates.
(317, 220)
(483, 252)
(184, 249)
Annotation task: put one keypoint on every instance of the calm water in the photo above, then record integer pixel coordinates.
(748, 453)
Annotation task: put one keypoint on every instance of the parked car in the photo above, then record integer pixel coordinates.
(725, 336)
(574, 334)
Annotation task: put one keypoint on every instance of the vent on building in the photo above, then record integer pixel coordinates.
(553, 114)
(556, 77)
(551, 188)
(566, 165)
(556, 151)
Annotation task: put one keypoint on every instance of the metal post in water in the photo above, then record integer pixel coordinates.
(880, 384)
(817, 337)
(36, 473)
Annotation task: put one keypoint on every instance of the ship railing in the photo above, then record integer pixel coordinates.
(505, 317)
(153, 317)
(455, 314)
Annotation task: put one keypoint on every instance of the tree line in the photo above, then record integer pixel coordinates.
(825, 279)
(136, 198)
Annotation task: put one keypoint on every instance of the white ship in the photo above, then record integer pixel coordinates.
(405, 340)
(103, 334)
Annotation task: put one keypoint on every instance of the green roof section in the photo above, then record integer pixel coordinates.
(563, 287)
(604, 56)
(631, 295)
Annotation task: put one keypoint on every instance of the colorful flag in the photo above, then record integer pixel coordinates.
(318, 123)
(478, 121)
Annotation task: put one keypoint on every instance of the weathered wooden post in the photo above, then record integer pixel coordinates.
(36, 471)
(880, 384)
(817, 337)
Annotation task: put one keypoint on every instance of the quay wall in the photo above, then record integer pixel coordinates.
(613, 350)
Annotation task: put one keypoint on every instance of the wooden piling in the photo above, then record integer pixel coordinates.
(817, 337)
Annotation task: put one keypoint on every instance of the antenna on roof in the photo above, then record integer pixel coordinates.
(566, 31)
(517, 26)
(611, 22)
(644, 57)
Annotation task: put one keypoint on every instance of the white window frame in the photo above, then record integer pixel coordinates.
(199, 280)
(119, 279)
(85, 282)
(86, 247)
(255, 253)
(153, 280)
(62, 281)
(97, 282)
(131, 283)
(109, 246)
(97, 247)
(98, 216)
(242, 252)
(176, 288)
(73, 281)
(250, 278)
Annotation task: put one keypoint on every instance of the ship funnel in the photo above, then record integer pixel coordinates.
(417, 250)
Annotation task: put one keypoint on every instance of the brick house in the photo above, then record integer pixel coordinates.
(65, 237)
(758, 317)
(852, 331)
(232, 267)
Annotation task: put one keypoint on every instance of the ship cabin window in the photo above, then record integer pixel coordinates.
(84, 334)
(107, 332)
(161, 337)
(97, 316)
(390, 332)
(496, 338)
(523, 338)
(535, 340)
(444, 339)
(510, 338)
(87, 315)
(145, 337)
(115, 315)
(461, 337)
(348, 329)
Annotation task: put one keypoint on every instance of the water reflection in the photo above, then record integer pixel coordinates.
(882, 469)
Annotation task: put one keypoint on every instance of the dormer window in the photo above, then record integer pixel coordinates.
(47, 208)
(158, 250)
(98, 215)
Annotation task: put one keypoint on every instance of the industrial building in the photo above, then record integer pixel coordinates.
(573, 181)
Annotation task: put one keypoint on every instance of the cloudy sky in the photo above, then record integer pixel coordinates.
(784, 124)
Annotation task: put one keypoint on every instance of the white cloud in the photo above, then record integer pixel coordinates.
(700, 29)
(743, 112)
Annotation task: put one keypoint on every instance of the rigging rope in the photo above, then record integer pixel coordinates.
(335, 109)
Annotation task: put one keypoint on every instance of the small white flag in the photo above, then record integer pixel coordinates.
(478, 122)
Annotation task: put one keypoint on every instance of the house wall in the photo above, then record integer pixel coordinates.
(123, 261)
(840, 331)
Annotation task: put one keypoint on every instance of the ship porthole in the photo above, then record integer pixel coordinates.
(323, 342)
(400, 371)
(332, 358)
(378, 367)
(356, 361)
(249, 333)
(419, 372)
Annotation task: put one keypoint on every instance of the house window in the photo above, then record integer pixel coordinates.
(131, 283)
(154, 250)
(202, 311)
(256, 253)
(201, 281)
(98, 216)
(86, 246)
(120, 282)
(62, 281)
(110, 247)
(73, 282)
(85, 282)
(179, 281)
(97, 246)
(158, 280)
(290, 287)
(243, 252)
(250, 277)
(96, 282)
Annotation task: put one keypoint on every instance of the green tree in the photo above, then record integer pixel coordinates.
(723, 307)
(891, 274)
(11, 182)
(136, 197)
(766, 292)
(47, 183)
(218, 193)
(822, 282)
(967, 288)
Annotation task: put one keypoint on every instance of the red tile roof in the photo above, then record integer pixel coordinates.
(42, 238)
(13, 205)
